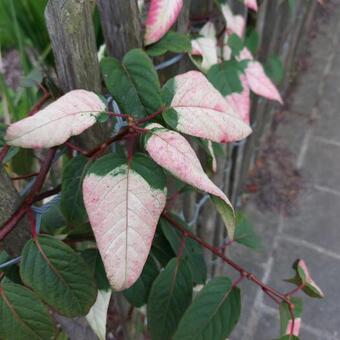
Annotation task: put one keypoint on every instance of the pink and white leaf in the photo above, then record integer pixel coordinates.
(240, 102)
(202, 111)
(252, 4)
(259, 82)
(123, 210)
(68, 116)
(235, 23)
(162, 15)
(173, 152)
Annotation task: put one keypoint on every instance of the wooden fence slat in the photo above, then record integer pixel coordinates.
(121, 25)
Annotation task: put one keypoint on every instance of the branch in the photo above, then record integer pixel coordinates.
(271, 292)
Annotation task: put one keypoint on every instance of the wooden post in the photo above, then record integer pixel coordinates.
(70, 26)
(121, 26)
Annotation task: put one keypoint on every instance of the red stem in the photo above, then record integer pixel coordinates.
(182, 245)
(31, 218)
(148, 118)
(295, 290)
(47, 193)
(271, 292)
(3, 152)
(39, 104)
(25, 205)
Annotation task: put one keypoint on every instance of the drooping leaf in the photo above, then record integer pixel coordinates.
(133, 83)
(98, 314)
(240, 102)
(138, 293)
(95, 263)
(286, 323)
(72, 203)
(170, 295)
(259, 82)
(245, 234)
(172, 151)
(124, 202)
(213, 314)
(192, 252)
(161, 16)
(235, 23)
(58, 275)
(198, 109)
(68, 116)
(252, 4)
(23, 316)
(173, 42)
(304, 279)
(226, 76)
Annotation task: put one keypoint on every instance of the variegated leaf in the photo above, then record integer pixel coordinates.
(235, 23)
(310, 287)
(240, 102)
(206, 46)
(260, 83)
(252, 4)
(68, 116)
(198, 109)
(161, 16)
(98, 314)
(172, 151)
(124, 201)
(287, 325)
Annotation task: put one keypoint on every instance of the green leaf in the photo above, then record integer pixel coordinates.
(236, 44)
(225, 76)
(52, 221)
(22, 315)
(274, 69)
(161, 248)
(72, 203)
(170, 295)
(138, 294)
(288, 337)
(252, 41)
(213, 314)
(133, 83)
(172, 42)
(192, 252)
(58, 275)
(23, 162)
(285, 317)
(95, 263)
(245, 234)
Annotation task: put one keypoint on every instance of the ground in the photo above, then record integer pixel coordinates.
(298, 210)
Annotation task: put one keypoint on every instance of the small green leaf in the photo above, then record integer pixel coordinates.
(236, 44)
(95, 263)
(52, 221)
(11, 272)
(23, 162)
(138, 294)
(252, 41)
(58, 275)
(170, 295)
(225, 76)
(285, 317)
(245, 234)
(172, 42)
(23, 316)
(133, 83)
(213, 314)
(192, 252)
(72, 203)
